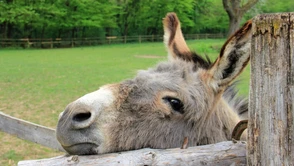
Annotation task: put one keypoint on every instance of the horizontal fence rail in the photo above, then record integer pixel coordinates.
(76, 42)
(220, 154)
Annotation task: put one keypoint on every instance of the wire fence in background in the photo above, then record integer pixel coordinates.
(77, 42)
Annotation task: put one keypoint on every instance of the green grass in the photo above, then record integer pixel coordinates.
(36, 85)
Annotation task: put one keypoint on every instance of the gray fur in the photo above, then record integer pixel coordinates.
(139, 115)
(149, 127)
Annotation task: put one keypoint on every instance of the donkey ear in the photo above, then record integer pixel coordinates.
(233, 58)
(174, 40)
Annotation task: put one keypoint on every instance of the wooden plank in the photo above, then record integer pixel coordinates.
(271, 104)
(29, 131)
(221, 154)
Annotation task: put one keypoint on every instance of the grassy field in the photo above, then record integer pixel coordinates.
(36, 85)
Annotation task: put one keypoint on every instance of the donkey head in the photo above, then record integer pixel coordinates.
(185, 97)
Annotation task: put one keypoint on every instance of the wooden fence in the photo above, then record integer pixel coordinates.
(271, 115)
(223, 153)
(271, 112)
(76, 42)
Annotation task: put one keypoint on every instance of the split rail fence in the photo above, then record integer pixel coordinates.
(76, 42)
(271, 113)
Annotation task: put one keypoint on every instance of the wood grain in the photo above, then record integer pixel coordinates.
(221, 154)
(271, 114)
(29, 131)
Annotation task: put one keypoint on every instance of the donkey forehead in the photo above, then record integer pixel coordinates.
(169, 75)
(178, 76)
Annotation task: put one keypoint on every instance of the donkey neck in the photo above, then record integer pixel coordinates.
(218, 126)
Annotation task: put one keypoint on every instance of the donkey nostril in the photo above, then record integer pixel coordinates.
(82, 117)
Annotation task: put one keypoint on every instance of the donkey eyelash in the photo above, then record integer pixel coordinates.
(176, 104)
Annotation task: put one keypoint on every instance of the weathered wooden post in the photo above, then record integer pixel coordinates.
(139, 39)
(271, 115)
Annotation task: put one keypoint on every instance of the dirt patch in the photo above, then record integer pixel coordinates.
(148, 56)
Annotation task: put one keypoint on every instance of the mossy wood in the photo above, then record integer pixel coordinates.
(271, 115)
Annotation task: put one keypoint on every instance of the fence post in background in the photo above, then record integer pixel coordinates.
(271, 105)
(28, 43)
(139, 39)
(58, 41)
(125, 39)
(51, 43)
(72, 42)
(89, 41)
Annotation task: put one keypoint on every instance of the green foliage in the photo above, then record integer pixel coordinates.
(270, 6)
(92, 18)
(215, 18)
(145, 17)
(26, 17)
(274, 6)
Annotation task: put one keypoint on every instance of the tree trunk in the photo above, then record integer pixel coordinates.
(43, 31)
(271, 107)
(73, 33)
(83, 32)
(234, 24)
(235, 10)
(7, 30)
(59, 33)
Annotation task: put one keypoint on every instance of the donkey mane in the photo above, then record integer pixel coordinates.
(239, 103)
(198, 60)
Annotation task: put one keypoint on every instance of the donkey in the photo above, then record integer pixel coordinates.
(188, 96)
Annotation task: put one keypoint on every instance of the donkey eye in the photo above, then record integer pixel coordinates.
(176, 104)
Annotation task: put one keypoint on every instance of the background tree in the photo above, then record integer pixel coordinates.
(140, 17)
(210, 17)
(99, 18)
(236, 10)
